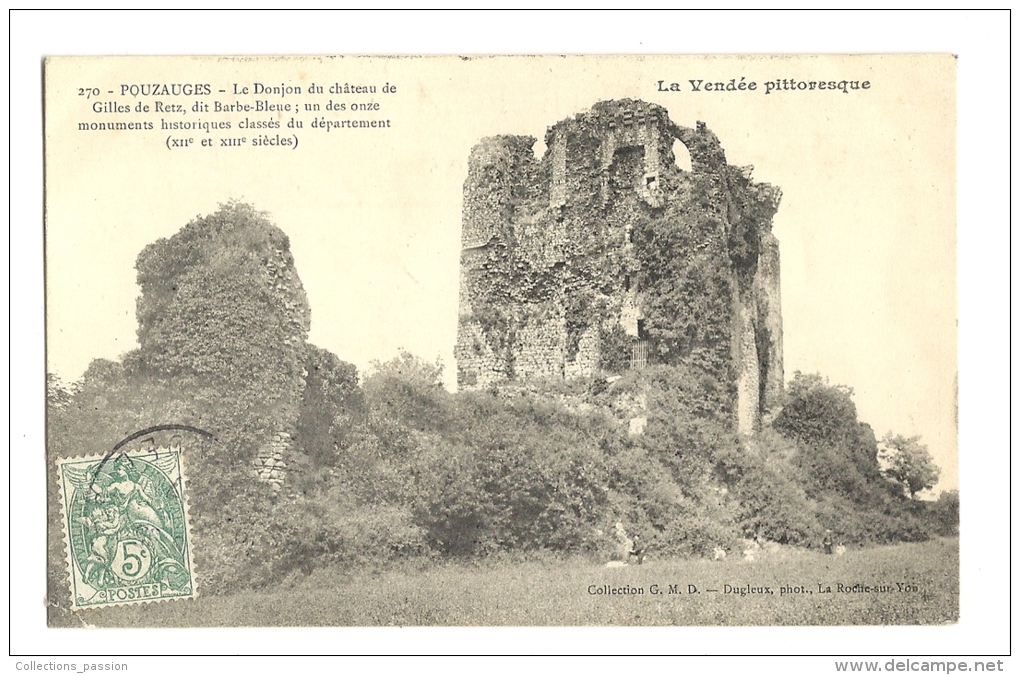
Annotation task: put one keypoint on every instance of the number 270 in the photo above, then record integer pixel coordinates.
(88, 92)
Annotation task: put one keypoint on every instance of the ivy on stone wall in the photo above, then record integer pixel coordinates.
(614, 348)
(581, 310)
(330, 403)
(682, 250)
(221, 299)
(691, 258)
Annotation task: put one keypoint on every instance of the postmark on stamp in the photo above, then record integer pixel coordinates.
(126, 521)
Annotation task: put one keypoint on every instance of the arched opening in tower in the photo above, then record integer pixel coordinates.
(681, 156)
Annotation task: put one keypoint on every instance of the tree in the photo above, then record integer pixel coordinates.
(945, 513)
(58, 394)
(908, 462)
(816, 411)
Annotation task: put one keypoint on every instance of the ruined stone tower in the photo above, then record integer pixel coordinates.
(605, 255)
(222, 306)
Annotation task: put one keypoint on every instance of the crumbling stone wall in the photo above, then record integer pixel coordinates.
(221, 305)
(541, 346)
(604, 253)
(270, 465)
(769, 326)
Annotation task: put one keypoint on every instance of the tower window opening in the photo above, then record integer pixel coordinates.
(682, 156)
(651, 183)
(639, 354)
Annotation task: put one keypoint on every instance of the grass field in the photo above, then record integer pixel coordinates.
(910, 584)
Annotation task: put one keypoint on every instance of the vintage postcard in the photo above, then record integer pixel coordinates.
(501, 341)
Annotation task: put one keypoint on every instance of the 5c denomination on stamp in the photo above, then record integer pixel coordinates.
(126, 524)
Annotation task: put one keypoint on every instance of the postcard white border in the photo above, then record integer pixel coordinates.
(981, 41)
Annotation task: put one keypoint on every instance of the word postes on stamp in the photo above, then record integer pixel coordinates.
(126, 525)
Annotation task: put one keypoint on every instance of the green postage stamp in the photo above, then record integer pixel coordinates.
(126, 527)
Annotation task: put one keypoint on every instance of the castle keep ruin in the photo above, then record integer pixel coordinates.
(604, 255)
(222, 307)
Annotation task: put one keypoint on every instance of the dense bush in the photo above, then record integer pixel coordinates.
(773, 507)
(944, 513)
(330, 405)
(524, 469)
(481, 473)
(836, 463)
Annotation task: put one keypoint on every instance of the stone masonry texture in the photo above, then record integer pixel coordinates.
(605, 255)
